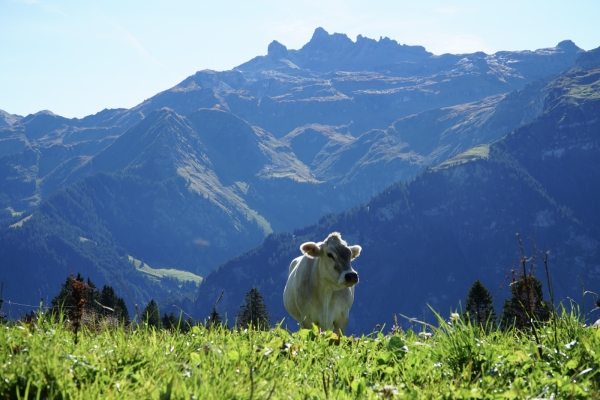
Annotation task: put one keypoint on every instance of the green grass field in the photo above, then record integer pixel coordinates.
(474, 153)
(159, 273)
(42, 360)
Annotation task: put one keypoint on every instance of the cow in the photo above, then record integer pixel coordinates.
(320, 285)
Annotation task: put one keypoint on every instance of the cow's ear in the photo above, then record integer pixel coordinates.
(355, 251)
(311, 249)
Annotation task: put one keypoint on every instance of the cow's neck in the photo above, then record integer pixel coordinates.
(320, 284)
(325, 290)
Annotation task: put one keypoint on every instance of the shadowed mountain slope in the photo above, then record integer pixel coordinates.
(424, 243)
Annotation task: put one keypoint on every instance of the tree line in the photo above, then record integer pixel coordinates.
(82, 302)
(525, 305)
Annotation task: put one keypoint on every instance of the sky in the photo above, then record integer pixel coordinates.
(76, 58)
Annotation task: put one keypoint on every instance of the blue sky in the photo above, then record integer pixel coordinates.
(76, 58)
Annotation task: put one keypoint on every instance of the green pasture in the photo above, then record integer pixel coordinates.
(41, 359)
(159, 273)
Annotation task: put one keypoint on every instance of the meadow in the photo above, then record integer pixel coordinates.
(42, 360)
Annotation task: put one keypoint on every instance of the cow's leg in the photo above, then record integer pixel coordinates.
(306, 322)
(340, 323)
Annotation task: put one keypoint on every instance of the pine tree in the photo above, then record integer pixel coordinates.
(92, 298)
(64, 300)
(109, 299)
(479, 305)
(170, 321)
(106, 298)
(121, 310)
(254, 311)
(525, 304)
(214, 320)
(151, 314)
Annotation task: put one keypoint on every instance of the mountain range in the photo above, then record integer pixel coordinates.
(425, 242)
(204, 171)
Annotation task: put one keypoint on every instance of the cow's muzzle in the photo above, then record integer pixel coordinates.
(351, 278)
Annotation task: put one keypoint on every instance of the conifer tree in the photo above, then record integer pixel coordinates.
(254, 311)
(215, 320)
(170, 321)
(121, 310)
(525, 304)
(151, 314)
(109, 299)
(65, 301)
(479, 305)
(92, 297)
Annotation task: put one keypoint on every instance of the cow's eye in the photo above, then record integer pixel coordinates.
(330, 256)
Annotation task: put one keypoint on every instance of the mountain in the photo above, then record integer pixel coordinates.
(202, 172)
(425, 242)
(8, 119)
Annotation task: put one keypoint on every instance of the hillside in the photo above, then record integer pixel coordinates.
(425, 242)
(202, 172)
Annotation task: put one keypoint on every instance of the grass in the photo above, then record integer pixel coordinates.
(159, 273)
(474, 153)
(21, 222)
(13, 212)
(586, 86)
(41, 360)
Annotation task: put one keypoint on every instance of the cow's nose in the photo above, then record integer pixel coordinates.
(351, 277)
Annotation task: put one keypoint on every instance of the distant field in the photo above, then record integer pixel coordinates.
(13, 212)
(21, 222)
(481, 151)
(587, 86)
(159, 273)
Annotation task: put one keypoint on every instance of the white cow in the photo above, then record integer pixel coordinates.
(320, 286)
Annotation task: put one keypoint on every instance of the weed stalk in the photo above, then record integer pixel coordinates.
(529, 295)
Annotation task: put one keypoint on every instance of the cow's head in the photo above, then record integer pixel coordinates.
(335, 256)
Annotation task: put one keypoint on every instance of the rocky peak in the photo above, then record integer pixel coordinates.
(7, 119)
(277, 50)
(569, 46)
(322, 40)
(319, 34)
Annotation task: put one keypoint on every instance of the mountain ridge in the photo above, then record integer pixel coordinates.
(425, 242)
(201, 172)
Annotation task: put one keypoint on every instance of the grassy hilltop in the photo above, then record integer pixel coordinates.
(43, 360)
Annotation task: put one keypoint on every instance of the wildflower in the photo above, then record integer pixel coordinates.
(454, 317)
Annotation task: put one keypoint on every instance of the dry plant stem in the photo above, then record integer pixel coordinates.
(219, 299)
(77, 292)
(582, 299)
(251, 383)
(417, 321)
(272, 390)
(529, 294)
(325, 385)
(180, 309)
(551, 295)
